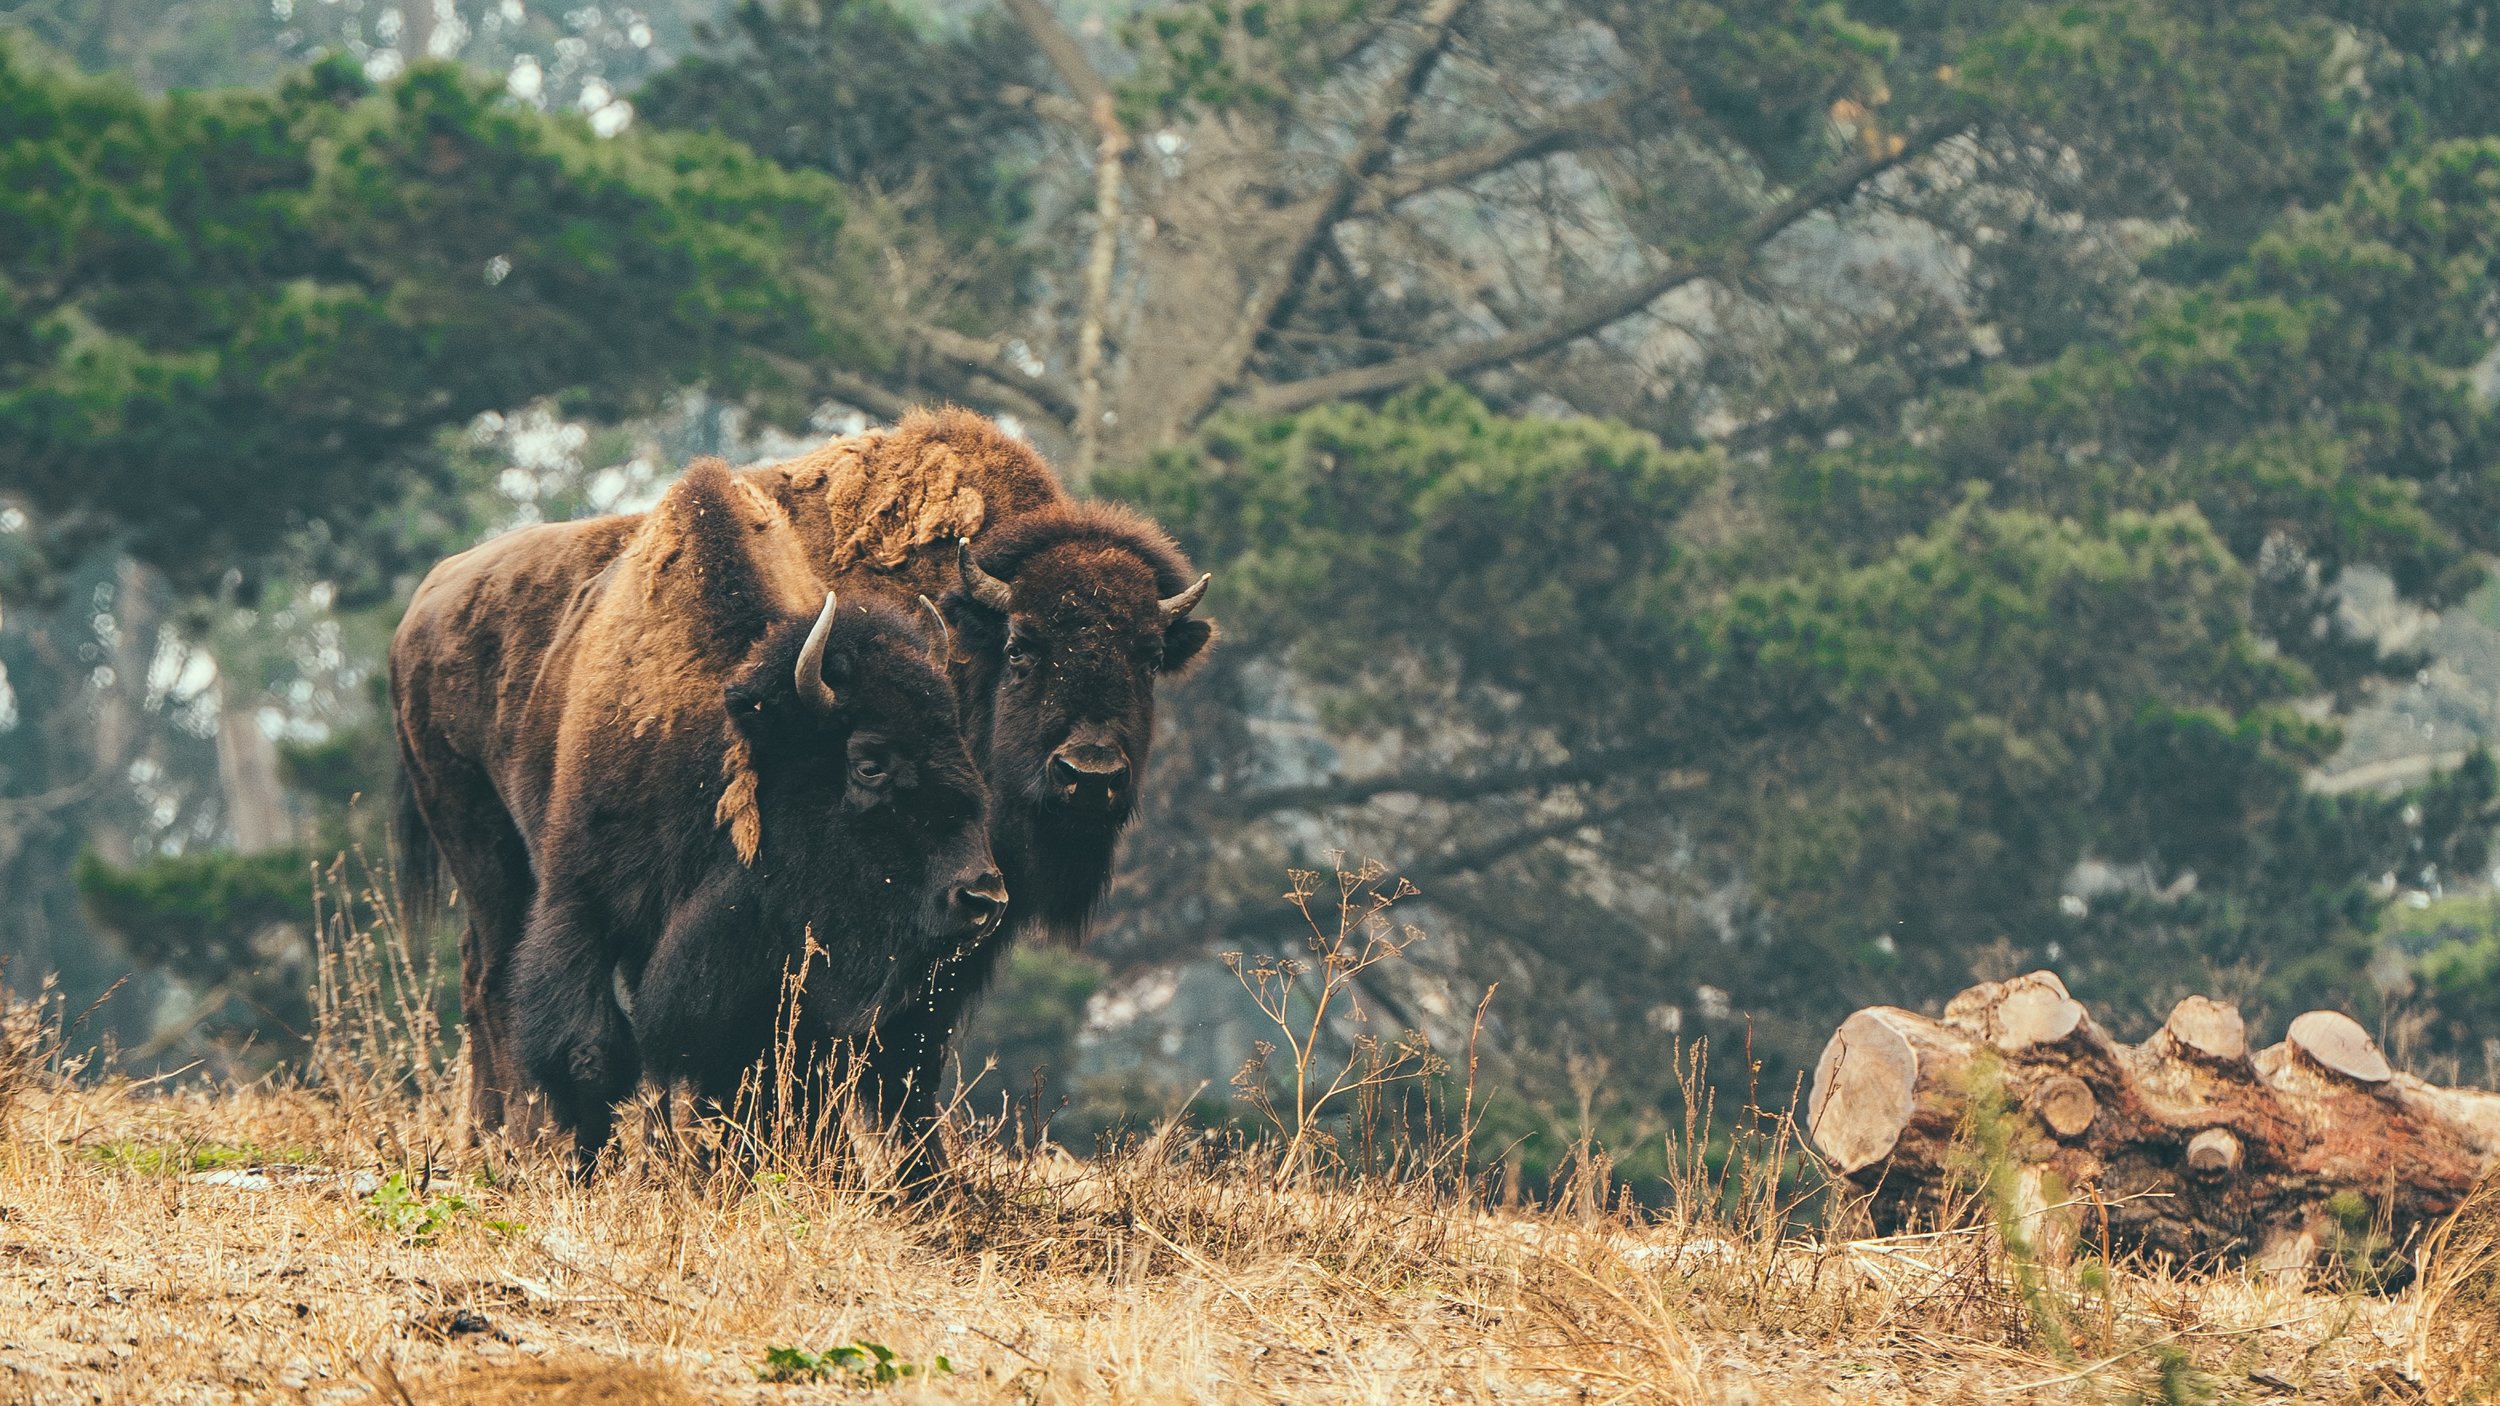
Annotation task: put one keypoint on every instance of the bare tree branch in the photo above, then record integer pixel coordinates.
(991, 391)
(1577, 127)
(1254, 918)
(1583, 316)
(1051, 105)
(1489, 852)
(1094, 96)
(1109, 152)
(998, 391)
(1447, 786)
(1273, 300)
(1031, 396)
(858, 391)
(1065, 55)
(976, 370)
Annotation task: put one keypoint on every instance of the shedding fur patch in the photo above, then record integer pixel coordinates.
(890, 501)
(892, 513)
(737, 808)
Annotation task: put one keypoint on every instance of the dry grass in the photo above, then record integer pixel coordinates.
(2456, 1346)
(1148, 1276)
(378, 1260)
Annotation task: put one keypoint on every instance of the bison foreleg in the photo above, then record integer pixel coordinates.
(574, 1040)
(704, 1007)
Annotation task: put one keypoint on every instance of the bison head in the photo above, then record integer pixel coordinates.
(872, 821)
(1067, 618)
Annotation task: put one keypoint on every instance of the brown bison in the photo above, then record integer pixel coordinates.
(659, 758)
(1064, 615)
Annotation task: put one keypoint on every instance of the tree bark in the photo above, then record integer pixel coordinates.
(247, 772)
(416, 30)
(1109, 153)
(2186, 1144)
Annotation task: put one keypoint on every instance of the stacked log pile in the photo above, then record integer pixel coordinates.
(2189, 1143)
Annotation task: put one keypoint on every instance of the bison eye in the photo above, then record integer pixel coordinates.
(1019, 655)
(868, 771)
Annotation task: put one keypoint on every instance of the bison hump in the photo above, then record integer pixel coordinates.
(719, 567)
(875, 499)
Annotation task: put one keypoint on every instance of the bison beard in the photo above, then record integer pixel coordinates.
(710, 780)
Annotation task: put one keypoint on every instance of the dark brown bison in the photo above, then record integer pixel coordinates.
(1064, 615)
(659, 758)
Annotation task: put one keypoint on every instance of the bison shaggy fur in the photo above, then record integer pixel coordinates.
(665, 768)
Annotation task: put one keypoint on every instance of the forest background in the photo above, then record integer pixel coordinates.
(1756, 509)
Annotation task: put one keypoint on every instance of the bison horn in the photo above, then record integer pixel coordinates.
(811, 671)
(986, 590)
(1178, 606)
(941, 639)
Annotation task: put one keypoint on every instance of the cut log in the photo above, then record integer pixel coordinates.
(2336, 1043)
(2066, 1104)
(2202, 1028)
(1868, 1082)
(2186, 1145)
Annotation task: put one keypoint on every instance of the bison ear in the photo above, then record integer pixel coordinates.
(1184, 642)
(764, 700)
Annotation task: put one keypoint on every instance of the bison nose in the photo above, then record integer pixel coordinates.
(982, 903)
(1089, 773)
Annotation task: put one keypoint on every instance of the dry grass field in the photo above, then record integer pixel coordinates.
(336, 1242)
(141, 1262)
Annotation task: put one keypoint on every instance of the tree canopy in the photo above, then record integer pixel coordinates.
(1757, 508)
(232, 316)
(2016, 658)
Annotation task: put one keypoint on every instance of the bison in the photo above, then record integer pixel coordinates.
(662, 761)
(1064, 616)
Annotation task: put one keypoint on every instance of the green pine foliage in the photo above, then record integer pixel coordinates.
(2452, 947)
(923, 122)
(231, 316)
(1900, 740)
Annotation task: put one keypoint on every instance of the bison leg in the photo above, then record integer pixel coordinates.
(705, 1006)
(495, 891)
(574, 1041)
(466, 822)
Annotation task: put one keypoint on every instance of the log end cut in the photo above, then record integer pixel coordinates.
(2067, 1105)
(2336, 1043)
(2214, 1153)
(2019, 1014)
(2208, 1030)
(1865, 1089)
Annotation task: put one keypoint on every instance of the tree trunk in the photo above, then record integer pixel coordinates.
(2187, 1144)
(247, 772)
(416, 37)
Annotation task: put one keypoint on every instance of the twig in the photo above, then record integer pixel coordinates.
(2080, 1373)
(610, 1280)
